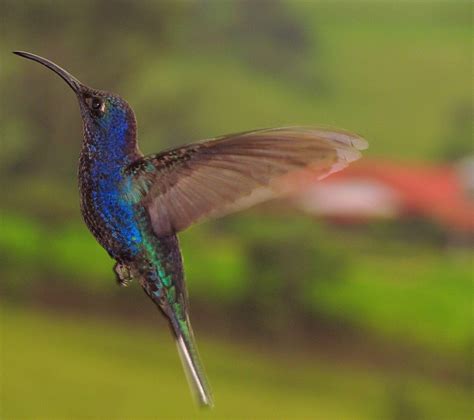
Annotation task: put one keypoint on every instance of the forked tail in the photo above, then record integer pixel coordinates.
(192, 365)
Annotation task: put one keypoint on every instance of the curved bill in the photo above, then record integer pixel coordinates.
(67, 77)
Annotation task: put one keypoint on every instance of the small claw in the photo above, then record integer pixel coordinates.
(123, 274)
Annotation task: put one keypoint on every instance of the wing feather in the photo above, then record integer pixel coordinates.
(215, 177)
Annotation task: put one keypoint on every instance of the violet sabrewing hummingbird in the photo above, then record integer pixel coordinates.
(135, 205)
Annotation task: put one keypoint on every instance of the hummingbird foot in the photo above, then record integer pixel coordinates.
(123, 274)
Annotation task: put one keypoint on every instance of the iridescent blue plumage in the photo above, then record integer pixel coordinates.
(107, 149)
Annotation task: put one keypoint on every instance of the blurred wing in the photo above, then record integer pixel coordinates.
(215, 177)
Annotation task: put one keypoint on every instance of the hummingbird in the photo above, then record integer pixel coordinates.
(135, 205)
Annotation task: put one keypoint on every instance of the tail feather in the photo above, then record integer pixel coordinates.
(166, 287)
(191, 363)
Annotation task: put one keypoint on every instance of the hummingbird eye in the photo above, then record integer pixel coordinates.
(96, 104)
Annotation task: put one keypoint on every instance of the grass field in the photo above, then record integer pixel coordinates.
(64, 367)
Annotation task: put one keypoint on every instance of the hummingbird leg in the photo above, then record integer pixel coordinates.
(123, 274)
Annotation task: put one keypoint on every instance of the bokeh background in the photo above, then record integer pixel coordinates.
(361, 308)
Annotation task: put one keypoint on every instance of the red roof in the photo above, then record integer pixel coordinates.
(431, 191)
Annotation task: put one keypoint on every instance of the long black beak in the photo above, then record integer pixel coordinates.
(75, 84)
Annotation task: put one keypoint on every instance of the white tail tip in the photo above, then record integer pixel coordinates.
(195, 379)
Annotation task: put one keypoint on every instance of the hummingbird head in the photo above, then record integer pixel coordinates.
(101, 111)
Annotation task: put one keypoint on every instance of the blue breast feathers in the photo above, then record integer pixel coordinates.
(110, 150)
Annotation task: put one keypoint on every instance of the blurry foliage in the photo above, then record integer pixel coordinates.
(458, 139)
(273, 277)
(199, 69)
(403, 405)
(269, 39)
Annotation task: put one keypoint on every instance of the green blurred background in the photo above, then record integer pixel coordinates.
(295, 316)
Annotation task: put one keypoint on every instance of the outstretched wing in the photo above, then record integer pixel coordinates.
(212, 178)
